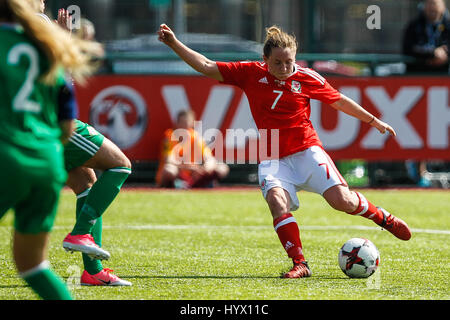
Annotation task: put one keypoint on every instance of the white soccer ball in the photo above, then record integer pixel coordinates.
(359, 258)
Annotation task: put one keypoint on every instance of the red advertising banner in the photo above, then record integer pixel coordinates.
(133, 111)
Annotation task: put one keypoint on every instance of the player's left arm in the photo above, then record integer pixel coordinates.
(67, 110)
(350, 107)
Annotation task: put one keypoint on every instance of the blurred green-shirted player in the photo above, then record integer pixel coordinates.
(35, 104)
(86, 151)
(30, 146)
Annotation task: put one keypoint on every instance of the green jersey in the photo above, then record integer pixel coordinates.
(28, 107)
(30, 149)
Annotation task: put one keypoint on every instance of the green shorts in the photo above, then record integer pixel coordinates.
(31, 184)
(83, 145)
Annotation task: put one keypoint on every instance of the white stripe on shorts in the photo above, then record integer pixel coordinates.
(120, 170)
(285, 222)
(84, 193)
(84, 143)
(82, 147)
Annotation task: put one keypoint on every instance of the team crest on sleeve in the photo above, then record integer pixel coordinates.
(296, 86)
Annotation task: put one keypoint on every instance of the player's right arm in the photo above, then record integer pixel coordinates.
(196, 60)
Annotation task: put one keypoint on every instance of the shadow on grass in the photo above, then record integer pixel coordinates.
(249, 277)
(14, 286)
(199, 277)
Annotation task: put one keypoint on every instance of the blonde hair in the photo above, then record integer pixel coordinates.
(277, 38)
(74, 55)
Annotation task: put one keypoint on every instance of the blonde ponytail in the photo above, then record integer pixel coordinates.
(74, 55)
(277, 38)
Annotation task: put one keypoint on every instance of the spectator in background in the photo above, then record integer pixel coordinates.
(417, 172)
(427, 38)
(178, 170)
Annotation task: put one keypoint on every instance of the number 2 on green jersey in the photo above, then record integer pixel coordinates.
(22, 101)
(280, 93)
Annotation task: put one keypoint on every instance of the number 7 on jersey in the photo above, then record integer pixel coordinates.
(280, 93)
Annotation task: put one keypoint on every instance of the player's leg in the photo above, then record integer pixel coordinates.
(354, 203)
(81, 180)
(94, 273)
(282, 199)
(34, 218)
(327, 181)
(284, 223)
(116, 169)
(31, 186)
(88, 149)
(30, 255)
(287, 230)
(84, 143)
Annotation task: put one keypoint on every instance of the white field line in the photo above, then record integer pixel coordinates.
(249, 227)
(224, 227)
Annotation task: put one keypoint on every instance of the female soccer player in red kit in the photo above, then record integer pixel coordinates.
(279, 93)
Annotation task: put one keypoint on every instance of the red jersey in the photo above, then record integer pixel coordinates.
(281, 104)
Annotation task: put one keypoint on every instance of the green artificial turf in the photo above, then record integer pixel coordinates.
(220, 245)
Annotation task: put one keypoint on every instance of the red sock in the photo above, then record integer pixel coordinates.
(367, 210)
(287, 229)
